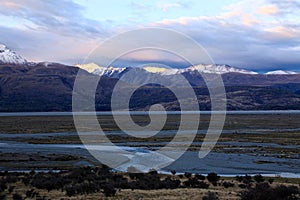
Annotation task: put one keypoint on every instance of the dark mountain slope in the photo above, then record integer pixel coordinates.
(49, 86)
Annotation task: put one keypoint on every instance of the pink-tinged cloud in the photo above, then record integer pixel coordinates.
(151, 55)
(268, 10)
(246, 33)
(283, 32)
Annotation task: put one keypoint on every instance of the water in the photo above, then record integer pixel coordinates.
(221, 163)
(227, 164)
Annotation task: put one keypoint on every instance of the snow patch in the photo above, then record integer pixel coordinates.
(90, 67)
(8, 56)
(281, 72)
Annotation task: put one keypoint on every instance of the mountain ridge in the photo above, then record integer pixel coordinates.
(202, 68)
(48, 86)
(8, 56)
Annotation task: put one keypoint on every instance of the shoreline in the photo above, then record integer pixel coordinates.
(278, 175)
(109, 113)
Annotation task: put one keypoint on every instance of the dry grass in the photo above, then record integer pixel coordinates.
(164, 194)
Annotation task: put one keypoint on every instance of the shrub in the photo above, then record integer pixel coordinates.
(3, 186)
(2, 196)
(263, 191)
(200, 177)
(271, 180)
(152, 171)
(210, 196)
(109, 190)
(259, 178)
(17, 196)
(203, 185)
(70, 191)
(168, 183)
(195, 183)
(187, 175)
(47, 181)
(239, 178)
(260, 192)
(286, 192)
(227, 184)
(245, 179)
(11, 189)
(11, 179)
(30, 193)
(213, 178)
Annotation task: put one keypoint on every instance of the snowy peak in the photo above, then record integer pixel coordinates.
(90, 67)
(281, 72)
(211, 69)
(163, 70)
(8, 56)
(99, 70)
(2, 47)
(113, 72)
(155, 69)
(218, 69)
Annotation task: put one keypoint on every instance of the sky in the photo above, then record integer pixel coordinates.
(259, 35)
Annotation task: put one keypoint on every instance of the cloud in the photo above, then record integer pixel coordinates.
(268, 10)
(251, 34)
(62, 17)
(138, 5)
(46, 46)
(50, 30)
(244, 36)
(283, 32)
(167, 6)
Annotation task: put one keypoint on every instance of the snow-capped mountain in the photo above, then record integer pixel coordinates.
(109, 71)
(219, 69)
(8, 56)
(93, 68)
(90, 67)
(281, 72)
(115, 71)
(210, 69)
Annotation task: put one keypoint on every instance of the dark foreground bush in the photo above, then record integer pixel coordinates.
(263, 191)
(200, 177)
(109, 190)
(188, 175)
(259, 178)
(213, 178)
(195, 183)
(168, 183)
(2, 196)
(210, 196)
(245, 179)
(227, 184)
(17, 196)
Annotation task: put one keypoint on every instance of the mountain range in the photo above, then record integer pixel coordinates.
(48, 86)
(201, 68)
